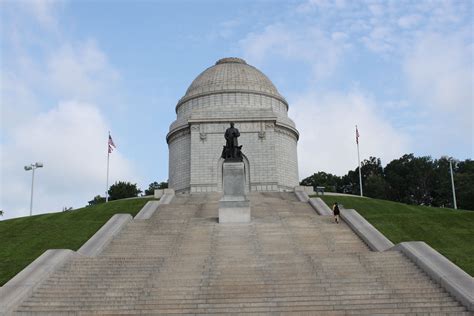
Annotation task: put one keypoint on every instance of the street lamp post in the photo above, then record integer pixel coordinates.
(452, 184)
(33, 167)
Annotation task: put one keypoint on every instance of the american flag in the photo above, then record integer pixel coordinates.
(111, 144)
(357, 136)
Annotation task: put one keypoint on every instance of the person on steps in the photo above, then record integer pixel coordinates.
(335, 209)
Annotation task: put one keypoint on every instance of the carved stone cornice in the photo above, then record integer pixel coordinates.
(285, 130)
(172, 135)
(243, 91)
(218, 126)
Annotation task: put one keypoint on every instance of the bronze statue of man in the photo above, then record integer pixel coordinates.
(232, 149)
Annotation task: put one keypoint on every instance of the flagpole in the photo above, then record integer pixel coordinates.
(358, 159)
(108, 158)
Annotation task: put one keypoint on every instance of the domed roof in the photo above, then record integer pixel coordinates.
(231, 75)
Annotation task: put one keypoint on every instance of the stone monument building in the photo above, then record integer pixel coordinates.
(232, 91)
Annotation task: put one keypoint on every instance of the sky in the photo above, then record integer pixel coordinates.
(71, 71)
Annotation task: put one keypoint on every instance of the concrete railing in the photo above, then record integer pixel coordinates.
(320, 207)
(452, 278)
(316, 203)
(97, 243)
(368, 233)
(147, 211)
(23, 284)
(150, 207)
(455, 280)
(302, 196)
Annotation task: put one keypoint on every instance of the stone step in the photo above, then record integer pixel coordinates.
(365, 309)
(196, 292)
(216, 291)
(288, 260)
(268, 304)
(236, 279)
(125, 302)
(281, 313)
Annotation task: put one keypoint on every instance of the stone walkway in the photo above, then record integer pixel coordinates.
(288, 260)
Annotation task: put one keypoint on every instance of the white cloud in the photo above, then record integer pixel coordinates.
(438, 69)
(311, 5)
(257, 45)
(80, 71)
(326, 123)
(439, 75)
(17, 101)
(228, 28)
(68, 136)
(318, 49)
(439, 72)
(376, 9)
(380, 39)
(44, 11)
(71, 141)
(409, 21)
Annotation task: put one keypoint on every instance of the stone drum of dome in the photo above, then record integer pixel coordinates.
(232, 91)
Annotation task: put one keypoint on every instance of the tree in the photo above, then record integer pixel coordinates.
(396, 173)
(122, 190)
(376, 187)
(329, 181)
(464, 183)
(442, 193)
(1, 212)
(96, 200)
(409, 179)
(371, 169)
(155, 186)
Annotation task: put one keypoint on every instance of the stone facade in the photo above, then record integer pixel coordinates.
(229, 91)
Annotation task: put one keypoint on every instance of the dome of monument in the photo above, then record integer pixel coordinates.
(231, 74)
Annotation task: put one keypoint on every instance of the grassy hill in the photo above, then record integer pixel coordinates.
(450, 232)
(24, 239)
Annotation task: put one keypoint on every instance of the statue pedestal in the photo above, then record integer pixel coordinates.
(234, 206)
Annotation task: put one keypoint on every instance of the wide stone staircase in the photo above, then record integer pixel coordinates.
(288, 260)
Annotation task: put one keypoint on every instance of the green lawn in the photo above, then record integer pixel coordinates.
(24, 239)
(451, 232)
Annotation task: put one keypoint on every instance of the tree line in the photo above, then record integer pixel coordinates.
(409, 179)
(122, 190)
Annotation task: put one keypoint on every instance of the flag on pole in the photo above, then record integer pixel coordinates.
(357, 136)
(111, 144)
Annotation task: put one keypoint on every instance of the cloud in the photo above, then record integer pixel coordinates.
(18, 101)
(385, 27)
(322, 51)
(326, 122)
(51, 98)
(311, 5)
(380, 39)
(439, 73)
(71, 141)
(43, 11)
(228, 28)
(80, 70)
(425, 46)
(409, 21)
